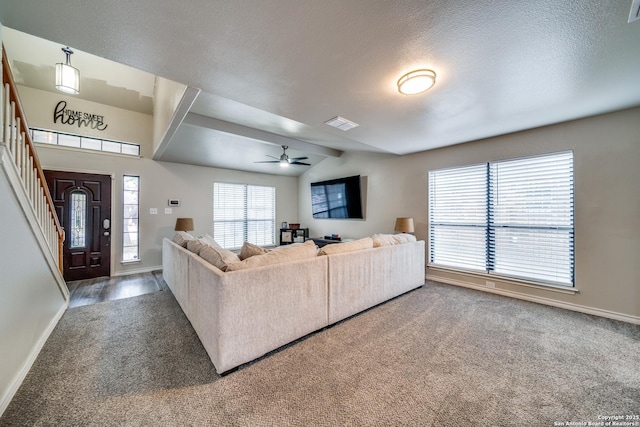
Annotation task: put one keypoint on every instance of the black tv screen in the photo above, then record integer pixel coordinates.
(337, 198)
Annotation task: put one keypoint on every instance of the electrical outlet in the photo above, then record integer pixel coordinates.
(153, 211)
(490, 284)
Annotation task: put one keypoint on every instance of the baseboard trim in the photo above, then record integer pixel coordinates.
(26, 367)
(137, 271)
(540, 300)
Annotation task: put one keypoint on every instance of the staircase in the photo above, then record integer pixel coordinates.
(33, 293)
(19, 157)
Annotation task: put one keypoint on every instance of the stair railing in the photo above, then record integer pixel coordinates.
(16, 136)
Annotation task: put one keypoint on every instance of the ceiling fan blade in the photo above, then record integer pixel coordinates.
(277, 158)
(300, 163)
(295, 159)
(269, 161)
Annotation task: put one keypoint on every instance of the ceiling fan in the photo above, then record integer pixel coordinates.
(285, 160)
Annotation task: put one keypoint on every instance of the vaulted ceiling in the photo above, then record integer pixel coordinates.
(276, 70)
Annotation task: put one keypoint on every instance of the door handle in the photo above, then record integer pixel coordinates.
(106, 224)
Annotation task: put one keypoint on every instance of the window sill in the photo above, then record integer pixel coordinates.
(135, 261)
(507, 280)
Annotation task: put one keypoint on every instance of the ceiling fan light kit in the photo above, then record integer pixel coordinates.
(417, 81)
(284, 160)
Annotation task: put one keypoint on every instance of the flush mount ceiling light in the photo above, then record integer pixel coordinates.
(67, 77)
(417, 81)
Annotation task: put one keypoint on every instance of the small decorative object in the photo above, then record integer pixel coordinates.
(184, 224)
(284, 224)
(286, 237)
(404, 225)
(294, 226)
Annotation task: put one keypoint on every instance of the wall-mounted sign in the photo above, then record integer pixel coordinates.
(71, 117)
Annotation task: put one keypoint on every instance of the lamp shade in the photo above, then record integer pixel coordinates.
(404, 225)
(184, 224)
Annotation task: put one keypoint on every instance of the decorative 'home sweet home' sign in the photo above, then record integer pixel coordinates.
(74, 117)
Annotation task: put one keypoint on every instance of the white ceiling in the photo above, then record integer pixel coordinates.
(284, 67)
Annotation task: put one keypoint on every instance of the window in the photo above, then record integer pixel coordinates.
(78, 219)
(95, 144)
(242, 213)
(512, 218)
(130, 218)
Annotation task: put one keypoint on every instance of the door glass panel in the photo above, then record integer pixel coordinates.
(78, 219)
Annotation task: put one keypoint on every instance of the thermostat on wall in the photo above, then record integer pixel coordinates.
(174, 202)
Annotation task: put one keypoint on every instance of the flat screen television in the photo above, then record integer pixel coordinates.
(337, 198)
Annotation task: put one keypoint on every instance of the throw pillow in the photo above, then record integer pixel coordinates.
(404, 238)
(380, 240)
(218, 257)
(182, 237)
(249, 249)
(195, 245)
(305, 250)
(209, 241)
(356, 245)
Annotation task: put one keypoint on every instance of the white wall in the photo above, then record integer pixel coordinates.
(166, 99)
(122, 125)
(30, 300)
(161, 181)
(607, 203)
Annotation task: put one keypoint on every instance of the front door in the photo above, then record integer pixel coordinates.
(83, 205)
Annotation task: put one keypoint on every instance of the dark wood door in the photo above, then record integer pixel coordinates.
(83, 205)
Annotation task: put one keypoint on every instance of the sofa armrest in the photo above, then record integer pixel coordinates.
(175, 271)
(361, 279)
(242, 315)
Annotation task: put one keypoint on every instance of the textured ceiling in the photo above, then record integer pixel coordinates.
(285, 67)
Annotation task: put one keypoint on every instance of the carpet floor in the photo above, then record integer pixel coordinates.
(437, 356)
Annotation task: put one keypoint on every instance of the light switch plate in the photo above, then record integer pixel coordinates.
(168, 211)
(153, 211)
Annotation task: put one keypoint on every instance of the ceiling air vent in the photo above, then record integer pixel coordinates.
(341, 123)
(635, 11)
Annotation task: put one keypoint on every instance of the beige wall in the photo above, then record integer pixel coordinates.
(607, 203)
(161, 181)
(122, 125)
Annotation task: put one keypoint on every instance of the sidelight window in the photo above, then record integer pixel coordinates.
(131, 218)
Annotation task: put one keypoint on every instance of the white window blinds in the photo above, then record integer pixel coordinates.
(512, 218)
(242, 213)
(458, 217)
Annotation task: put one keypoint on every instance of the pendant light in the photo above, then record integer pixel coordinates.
(67, 77)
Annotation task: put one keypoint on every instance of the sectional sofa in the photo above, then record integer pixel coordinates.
(251, 309)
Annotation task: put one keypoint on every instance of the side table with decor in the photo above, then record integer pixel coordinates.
(293, 234)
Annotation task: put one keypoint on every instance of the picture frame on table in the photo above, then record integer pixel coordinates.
(286, 237)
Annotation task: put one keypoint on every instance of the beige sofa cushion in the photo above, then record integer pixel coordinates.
(356, 245)
(218, 257)
(380, 240)
(295, 252)
(404, 238)
(249, 249)
(182, 237)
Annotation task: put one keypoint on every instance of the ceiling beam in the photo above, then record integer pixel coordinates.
(182, 110)
(259, 135)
